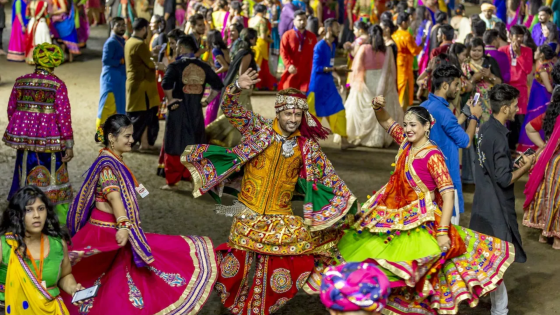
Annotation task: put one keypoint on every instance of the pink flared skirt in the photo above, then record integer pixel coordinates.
(179, 280)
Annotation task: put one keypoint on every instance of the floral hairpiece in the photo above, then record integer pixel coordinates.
(100, 135)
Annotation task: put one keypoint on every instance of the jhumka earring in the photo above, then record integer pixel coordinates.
(112, 145)
(428, 133)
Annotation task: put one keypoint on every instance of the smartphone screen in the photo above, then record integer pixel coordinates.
(85, 294)
(475, 98)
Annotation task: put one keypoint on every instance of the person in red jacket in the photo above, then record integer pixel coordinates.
(296, 49)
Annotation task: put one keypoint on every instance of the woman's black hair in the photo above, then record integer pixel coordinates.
(528, 39)
(389, 24)
(552, 112)
(515, 5)
(387, 15)
(552, 32)
(361, 25)
(421, 12)
(222, 4)
(175, 34)
(246, 36)
(475, 42)
(422, 114)
(441, 17)
(236, 6)
(13, 218)
(113, 125)
(459, 9)
(453, 53)
(547, 52)
(238, 26)
(215, 39)
(376, 37)
(259, 8)
(502, 30)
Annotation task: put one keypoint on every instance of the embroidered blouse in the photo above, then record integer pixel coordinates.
(106, 184)
(545, 67)
(429, 164)
(39, 114)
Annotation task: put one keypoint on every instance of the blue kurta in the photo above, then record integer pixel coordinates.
(113, 74)
(449, 136)
(327, 100)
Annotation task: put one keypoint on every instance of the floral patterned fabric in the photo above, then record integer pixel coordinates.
(39, 114)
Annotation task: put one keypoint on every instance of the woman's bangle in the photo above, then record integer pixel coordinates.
(237, 84)
(125, 224)
(442, 231)
(122, 218)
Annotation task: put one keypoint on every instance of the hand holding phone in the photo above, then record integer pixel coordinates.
(528, 152)
(85, 294)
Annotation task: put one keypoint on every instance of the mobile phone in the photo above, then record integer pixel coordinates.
(171, 104)
(527, 152)
(475, 98)
(85, 294)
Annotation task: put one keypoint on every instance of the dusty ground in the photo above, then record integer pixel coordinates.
(533, 286)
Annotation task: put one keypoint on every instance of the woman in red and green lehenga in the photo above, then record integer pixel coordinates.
(405, 228)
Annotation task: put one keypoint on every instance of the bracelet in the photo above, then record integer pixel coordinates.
(122, 218)
(473, 117)
(442, 231)
(237, 84)
(377, 108)
(125, 224)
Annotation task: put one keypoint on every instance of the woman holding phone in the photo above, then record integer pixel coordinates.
(34, 260)
(139, 273)
(482, 72)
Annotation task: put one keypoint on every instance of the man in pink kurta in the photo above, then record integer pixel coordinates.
(521, 65)
(296, 49)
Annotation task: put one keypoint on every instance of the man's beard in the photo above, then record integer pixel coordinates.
(450, 96)
(120, 33)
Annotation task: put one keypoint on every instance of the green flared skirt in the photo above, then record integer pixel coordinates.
(422, 282)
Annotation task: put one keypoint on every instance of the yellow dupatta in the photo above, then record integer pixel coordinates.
(24, 293)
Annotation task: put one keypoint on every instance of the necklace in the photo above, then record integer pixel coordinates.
(288, 145)
(417, 149)
(38, 270)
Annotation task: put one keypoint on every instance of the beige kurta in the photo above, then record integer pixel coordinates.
(140, 76)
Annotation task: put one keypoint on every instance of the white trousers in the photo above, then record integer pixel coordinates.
(499, 300)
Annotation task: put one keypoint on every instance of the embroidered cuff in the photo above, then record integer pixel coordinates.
(69, 144)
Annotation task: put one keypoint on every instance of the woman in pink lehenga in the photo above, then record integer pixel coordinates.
(139, 273)
(18, 38)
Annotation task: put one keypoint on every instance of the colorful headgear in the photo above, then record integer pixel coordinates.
(487, 6)
(291, 98)
(48, 55)
(354, 287)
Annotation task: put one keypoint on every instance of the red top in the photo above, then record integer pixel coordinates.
(537, 122)
(302, 60)
(440, 50)
(519, 72)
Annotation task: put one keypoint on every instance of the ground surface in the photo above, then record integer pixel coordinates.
(533, 287)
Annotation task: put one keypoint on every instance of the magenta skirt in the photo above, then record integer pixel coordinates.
(179, 280)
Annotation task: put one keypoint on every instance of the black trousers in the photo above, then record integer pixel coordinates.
(145, 119)
(515, 130)
(1, 38)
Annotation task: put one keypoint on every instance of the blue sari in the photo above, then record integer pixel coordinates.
(67, 31)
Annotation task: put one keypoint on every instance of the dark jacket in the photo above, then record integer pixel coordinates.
(493, 211)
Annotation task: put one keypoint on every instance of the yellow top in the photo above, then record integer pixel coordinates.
(270, 178)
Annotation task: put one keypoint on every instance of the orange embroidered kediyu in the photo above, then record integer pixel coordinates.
(405, 76)
(270, 179)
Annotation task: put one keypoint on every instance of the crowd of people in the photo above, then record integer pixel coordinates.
(468, 100)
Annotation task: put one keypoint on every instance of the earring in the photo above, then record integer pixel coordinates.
(428, 133)
(112, 145)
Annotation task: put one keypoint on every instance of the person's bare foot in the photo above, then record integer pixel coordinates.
(543, 239)
(556, 244)
(2, 52)
(170, 187)
(345, 145)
